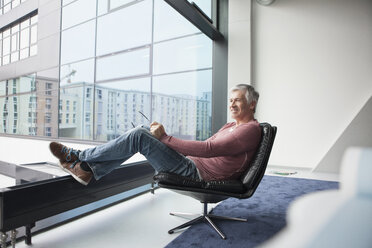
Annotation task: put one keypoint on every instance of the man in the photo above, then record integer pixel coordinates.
(225, 155)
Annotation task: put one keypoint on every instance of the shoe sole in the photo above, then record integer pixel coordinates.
(74, 176)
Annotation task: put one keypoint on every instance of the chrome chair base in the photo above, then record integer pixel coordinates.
(202, 217)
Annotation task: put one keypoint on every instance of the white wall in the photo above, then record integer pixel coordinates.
(358, 133)
(312, 64)
(239, 56)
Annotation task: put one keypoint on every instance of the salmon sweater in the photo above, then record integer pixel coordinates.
(223, 156)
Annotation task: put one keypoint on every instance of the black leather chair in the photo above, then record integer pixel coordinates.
(216, 191)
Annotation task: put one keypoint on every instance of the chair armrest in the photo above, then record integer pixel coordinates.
(228, 186)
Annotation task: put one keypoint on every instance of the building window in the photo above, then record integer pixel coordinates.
(48, 131)
(87, 117)
(7, 5)
(48, 117)
(15, 127)
(89, 90)
(99, 94)
(48, 103)
(32, 131)
(32, 117)
(32, 102)
(33, 84)
(18, 41)
(14, 86)
(48, 89)
(160, 50)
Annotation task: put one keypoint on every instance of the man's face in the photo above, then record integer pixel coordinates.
(239, 107)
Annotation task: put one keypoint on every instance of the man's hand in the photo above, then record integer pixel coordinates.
(157, 130)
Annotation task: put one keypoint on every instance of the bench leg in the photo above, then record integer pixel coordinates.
(3, 238)
(13, 238)
(28, 233)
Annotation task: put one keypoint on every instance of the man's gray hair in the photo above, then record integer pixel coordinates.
(250, 93)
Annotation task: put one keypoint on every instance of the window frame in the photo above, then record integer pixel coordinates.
(219, 79)
(13, 35)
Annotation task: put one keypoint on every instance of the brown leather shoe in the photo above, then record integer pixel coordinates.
(76, 172)
(63, 153)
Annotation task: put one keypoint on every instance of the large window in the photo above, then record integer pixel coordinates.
(29, 104)
(19, 41)
(122, 57)
(7, 5)
(122, 63)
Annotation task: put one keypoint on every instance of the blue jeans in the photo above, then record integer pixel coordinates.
(105, 158)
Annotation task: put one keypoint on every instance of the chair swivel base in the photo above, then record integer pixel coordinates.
(205, 216)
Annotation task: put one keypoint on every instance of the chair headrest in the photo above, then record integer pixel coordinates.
(256, 170)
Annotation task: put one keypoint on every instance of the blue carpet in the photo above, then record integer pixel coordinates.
(265, 211)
